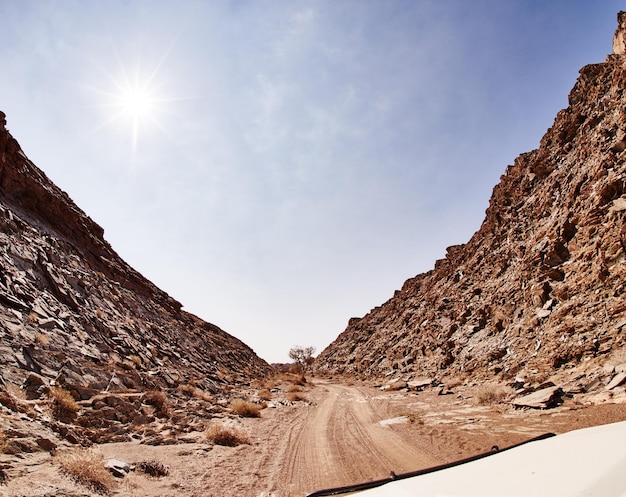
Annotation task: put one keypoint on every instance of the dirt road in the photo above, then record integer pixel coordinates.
(335, 439)
(341, 441)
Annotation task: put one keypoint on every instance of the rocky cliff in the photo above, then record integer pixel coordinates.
(75, 314)
(540, 287)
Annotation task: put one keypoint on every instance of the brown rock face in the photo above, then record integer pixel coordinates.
(72, 311)
(619, 39)
(541, 285)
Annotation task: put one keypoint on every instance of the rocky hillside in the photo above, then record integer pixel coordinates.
(540, 287)
(73, 314)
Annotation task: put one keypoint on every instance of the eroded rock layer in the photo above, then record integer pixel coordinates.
(541, 285)
(75, 314)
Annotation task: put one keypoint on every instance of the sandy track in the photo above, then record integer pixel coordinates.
(335, 440)
(340, 441)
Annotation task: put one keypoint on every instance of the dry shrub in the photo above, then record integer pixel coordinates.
(294, 388)
(222, 435)
(490, 393)
(269, 383)
(190, 390)
(157, 399)
(64, 407)
(86, 467)
(296, 379)
(153, 468)
(295, 397)
(299, 380)
(187, 389)
(202, 395)
(245, 408)
(136, 360)
(264, 394)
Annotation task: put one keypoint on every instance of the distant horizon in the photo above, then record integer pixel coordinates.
(281, 167)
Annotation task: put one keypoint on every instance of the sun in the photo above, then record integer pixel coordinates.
(133, 97)
(137, 103)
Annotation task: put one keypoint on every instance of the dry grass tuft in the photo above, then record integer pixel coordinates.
(86, 467)
(153, 468)
(294, 388)
(222, 435)
(190, 390)
(490, 393)
(295, 397)
(187, 389)
(245, 409)
(264, 394)
(299, 380)
(64, 407)
(136, 361)
(270, 383)
(157, 399)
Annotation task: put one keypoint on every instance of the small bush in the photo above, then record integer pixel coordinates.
(153, 468)
(187, 389)
(299, 380)
(157, 399)
(64, 407)
(86, 467)
(245, 409)
(490, 394)
(264, 394)
(136, 360)
(269, 383)
(295, 397)
(294, 388)
(222, 435)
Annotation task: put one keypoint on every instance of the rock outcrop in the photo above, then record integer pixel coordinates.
(74, 314)
(540, 287)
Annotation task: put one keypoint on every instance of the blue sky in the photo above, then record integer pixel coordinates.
(282, 166)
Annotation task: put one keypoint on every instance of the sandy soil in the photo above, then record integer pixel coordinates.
(345, 433)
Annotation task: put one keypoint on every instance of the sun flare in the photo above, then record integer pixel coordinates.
(137, 103)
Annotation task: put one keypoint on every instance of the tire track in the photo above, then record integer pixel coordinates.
(340, 442)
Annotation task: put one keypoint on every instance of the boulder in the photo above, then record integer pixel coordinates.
(616, 381)
(540, 399)
(419, 384)
(34, 386)
(393, 385)
(118, 468)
